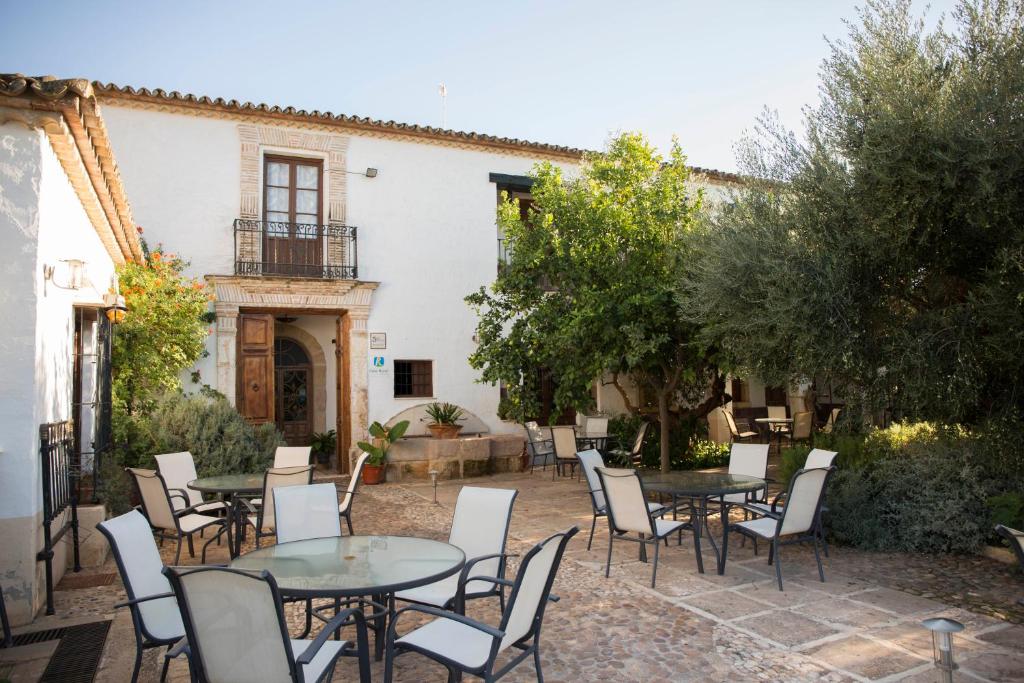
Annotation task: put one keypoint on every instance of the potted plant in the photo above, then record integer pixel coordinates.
(323, 444)
(383, 437)
(444, 420)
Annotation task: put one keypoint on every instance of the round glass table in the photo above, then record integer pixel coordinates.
(700, 488)
(354, 566)
(233, 487)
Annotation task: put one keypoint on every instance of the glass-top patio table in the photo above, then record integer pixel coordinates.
(351, 567)
(700, 488)
(234, 487)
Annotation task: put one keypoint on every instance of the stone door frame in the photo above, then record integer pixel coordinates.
(348, 299)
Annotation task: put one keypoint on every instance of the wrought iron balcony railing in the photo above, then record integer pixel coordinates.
(295, 250)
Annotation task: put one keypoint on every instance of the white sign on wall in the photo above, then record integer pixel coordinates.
(378, 365)
(378, 340)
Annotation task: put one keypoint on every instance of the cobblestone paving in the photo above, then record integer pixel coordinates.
(862, 624)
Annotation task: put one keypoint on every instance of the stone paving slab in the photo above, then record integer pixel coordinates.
(861, 624)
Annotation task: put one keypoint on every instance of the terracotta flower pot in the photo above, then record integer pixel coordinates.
(439, 431)
(374, 474)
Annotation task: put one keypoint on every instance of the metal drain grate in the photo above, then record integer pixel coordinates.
(38, 637)
(78, 654)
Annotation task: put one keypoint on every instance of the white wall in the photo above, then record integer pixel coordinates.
(41, 223)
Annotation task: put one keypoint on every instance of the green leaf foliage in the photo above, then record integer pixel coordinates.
(884, 249)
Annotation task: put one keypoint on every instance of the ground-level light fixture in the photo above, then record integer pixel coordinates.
(942, 645)
(433, 480)
(114, 307)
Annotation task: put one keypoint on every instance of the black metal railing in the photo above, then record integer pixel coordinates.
(60, 494)
(326, 252)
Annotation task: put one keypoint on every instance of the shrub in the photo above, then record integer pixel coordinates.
(689, 451)
(1007, 509)
(923, 487)
(219, 438)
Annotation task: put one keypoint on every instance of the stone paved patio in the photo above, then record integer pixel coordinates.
(862, 624)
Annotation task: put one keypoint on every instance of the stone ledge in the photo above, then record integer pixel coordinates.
(471, 456)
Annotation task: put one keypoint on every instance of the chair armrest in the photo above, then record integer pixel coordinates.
(505, 582)
(132, 603)
(179, 493)
(180, 648)
(460, 594)
(249, 506)
(333, 625)
(433, 611)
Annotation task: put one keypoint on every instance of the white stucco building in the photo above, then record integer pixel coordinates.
(339, 251)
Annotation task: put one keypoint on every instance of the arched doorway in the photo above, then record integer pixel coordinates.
(293, 391)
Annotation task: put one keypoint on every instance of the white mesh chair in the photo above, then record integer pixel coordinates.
(292, 456)
(634, 456)
(155, 615)
(750, 459)
(830, 423)
(466, 645)
(590, 460)
(540, 445)
(1015, 539)
(795, 522)
(480, 528)
(171, 523)
(262, 519)
(801, 427)
(564, 439)
(778, 413)
(178, 469)
(236, 630)
(597, 425)
(302, 512)
(734, 433)
(628, 512)
(345, 506)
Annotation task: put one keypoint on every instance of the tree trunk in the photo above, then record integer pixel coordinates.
(663, 419)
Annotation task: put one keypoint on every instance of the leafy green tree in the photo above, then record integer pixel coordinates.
(589, 286)
(163, 333)
(884, 250)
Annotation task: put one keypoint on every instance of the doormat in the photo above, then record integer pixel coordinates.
(72, 582)
(77, 656)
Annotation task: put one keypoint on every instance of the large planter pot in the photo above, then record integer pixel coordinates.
(444, 431)
(374, 474)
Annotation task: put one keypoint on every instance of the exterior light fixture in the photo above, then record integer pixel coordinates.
(75, 274)
(942, 645)
(433, 480)
(114, 307)
(371, 173)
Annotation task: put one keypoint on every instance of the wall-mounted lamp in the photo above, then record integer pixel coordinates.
(76, 276)
(369, 172)
(114, 307)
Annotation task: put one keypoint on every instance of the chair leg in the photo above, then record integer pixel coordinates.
(348, 522)
(167, 662)
(177, 554)
(191, 549)
(593, 525)
(608, 565)
(654, 574)
(138, 658)
(778, 562)
(817, 557)
(536, 662)
(389, 657)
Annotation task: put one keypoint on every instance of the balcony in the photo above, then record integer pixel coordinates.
(325, 252)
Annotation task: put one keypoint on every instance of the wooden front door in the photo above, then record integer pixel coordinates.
(293, 211)
(256, 367)
(293, 391)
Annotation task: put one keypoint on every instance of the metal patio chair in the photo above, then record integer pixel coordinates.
(155, 615)
(734, 433)
(236, 629)
(466, 645)
(801, 431)
(292, 456)
(797, 520)
(628, 512)
(540, 447)
(480, 529)
(590, 461)
(171, 523)
(634, 456)
(262, 518)
(345, 506)
(778, 412)
(564, 438)
(1015, 539)
(178, 469)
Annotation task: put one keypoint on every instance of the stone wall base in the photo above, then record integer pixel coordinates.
(472, 456)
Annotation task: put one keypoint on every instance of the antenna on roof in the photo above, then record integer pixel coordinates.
(442, 90)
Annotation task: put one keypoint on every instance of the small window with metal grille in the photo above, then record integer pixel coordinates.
(414, 378)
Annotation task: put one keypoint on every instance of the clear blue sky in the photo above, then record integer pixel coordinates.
(562, 72)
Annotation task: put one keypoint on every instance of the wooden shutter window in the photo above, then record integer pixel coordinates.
(414, 378)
